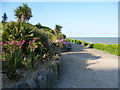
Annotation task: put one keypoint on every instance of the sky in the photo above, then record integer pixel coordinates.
(78, 19)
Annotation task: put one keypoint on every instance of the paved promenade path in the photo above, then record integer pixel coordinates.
(83, 67)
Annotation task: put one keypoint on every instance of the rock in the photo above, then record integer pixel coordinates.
(21, 85)
(32, 83)
(41, 81)
(50, 78)
(46, 78)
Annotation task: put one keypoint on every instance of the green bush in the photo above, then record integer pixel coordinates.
(84, 43)
(78, 41)
(110, 48)
(17, 31)
(90, 45)
(39, 26)
(74, 41)
(42, 35)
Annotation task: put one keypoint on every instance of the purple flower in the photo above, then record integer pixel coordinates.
(1, 43)
(5, 42)
(18, 43)
(29, 42)
(33, 47)
(62, 40)
(22, 42)
(4, 49)
(10, 43)
(15, 42)
(35, 39)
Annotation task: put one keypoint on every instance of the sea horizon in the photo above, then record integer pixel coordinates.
(105, 40)
(92, 36)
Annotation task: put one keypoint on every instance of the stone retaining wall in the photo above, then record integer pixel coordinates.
(45, 79)
(44, 76)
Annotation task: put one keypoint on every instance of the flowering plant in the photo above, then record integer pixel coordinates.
(12, 53)
(31, 48)
(60, 43)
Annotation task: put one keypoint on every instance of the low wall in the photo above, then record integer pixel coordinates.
(44, 76)
(45, 79)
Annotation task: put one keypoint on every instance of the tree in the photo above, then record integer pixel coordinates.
(39, 25)
(58, 28)
(23, 13)
(4, 17)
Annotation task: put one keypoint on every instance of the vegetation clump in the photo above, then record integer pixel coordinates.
(24, 44)
(110, 48)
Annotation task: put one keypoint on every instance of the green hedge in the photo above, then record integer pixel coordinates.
(110, 48)
(78, 42)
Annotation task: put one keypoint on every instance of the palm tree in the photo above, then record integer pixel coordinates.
(58, 28)
(4, 17)
(23, 13)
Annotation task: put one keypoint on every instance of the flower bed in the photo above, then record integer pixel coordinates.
(43, 76)
(24, 45)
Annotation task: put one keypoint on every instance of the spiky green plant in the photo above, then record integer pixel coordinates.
(23, 13)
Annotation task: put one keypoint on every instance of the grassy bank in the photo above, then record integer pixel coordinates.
(110, 48)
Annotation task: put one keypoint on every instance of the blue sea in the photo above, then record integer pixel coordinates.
(105, 40)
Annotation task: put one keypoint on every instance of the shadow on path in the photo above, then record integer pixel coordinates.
(76, 73)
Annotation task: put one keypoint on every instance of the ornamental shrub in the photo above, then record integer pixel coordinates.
(17, 31)
(43, 38)
(79, 42)
(12, 53)
(14, 58)
(90, 46)
(110, 48)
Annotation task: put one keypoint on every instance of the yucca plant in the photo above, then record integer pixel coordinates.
(17, 31)
(23, 13)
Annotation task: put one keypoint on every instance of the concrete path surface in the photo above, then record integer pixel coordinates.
(83, 67)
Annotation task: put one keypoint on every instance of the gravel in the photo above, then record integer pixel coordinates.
(83, 67)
